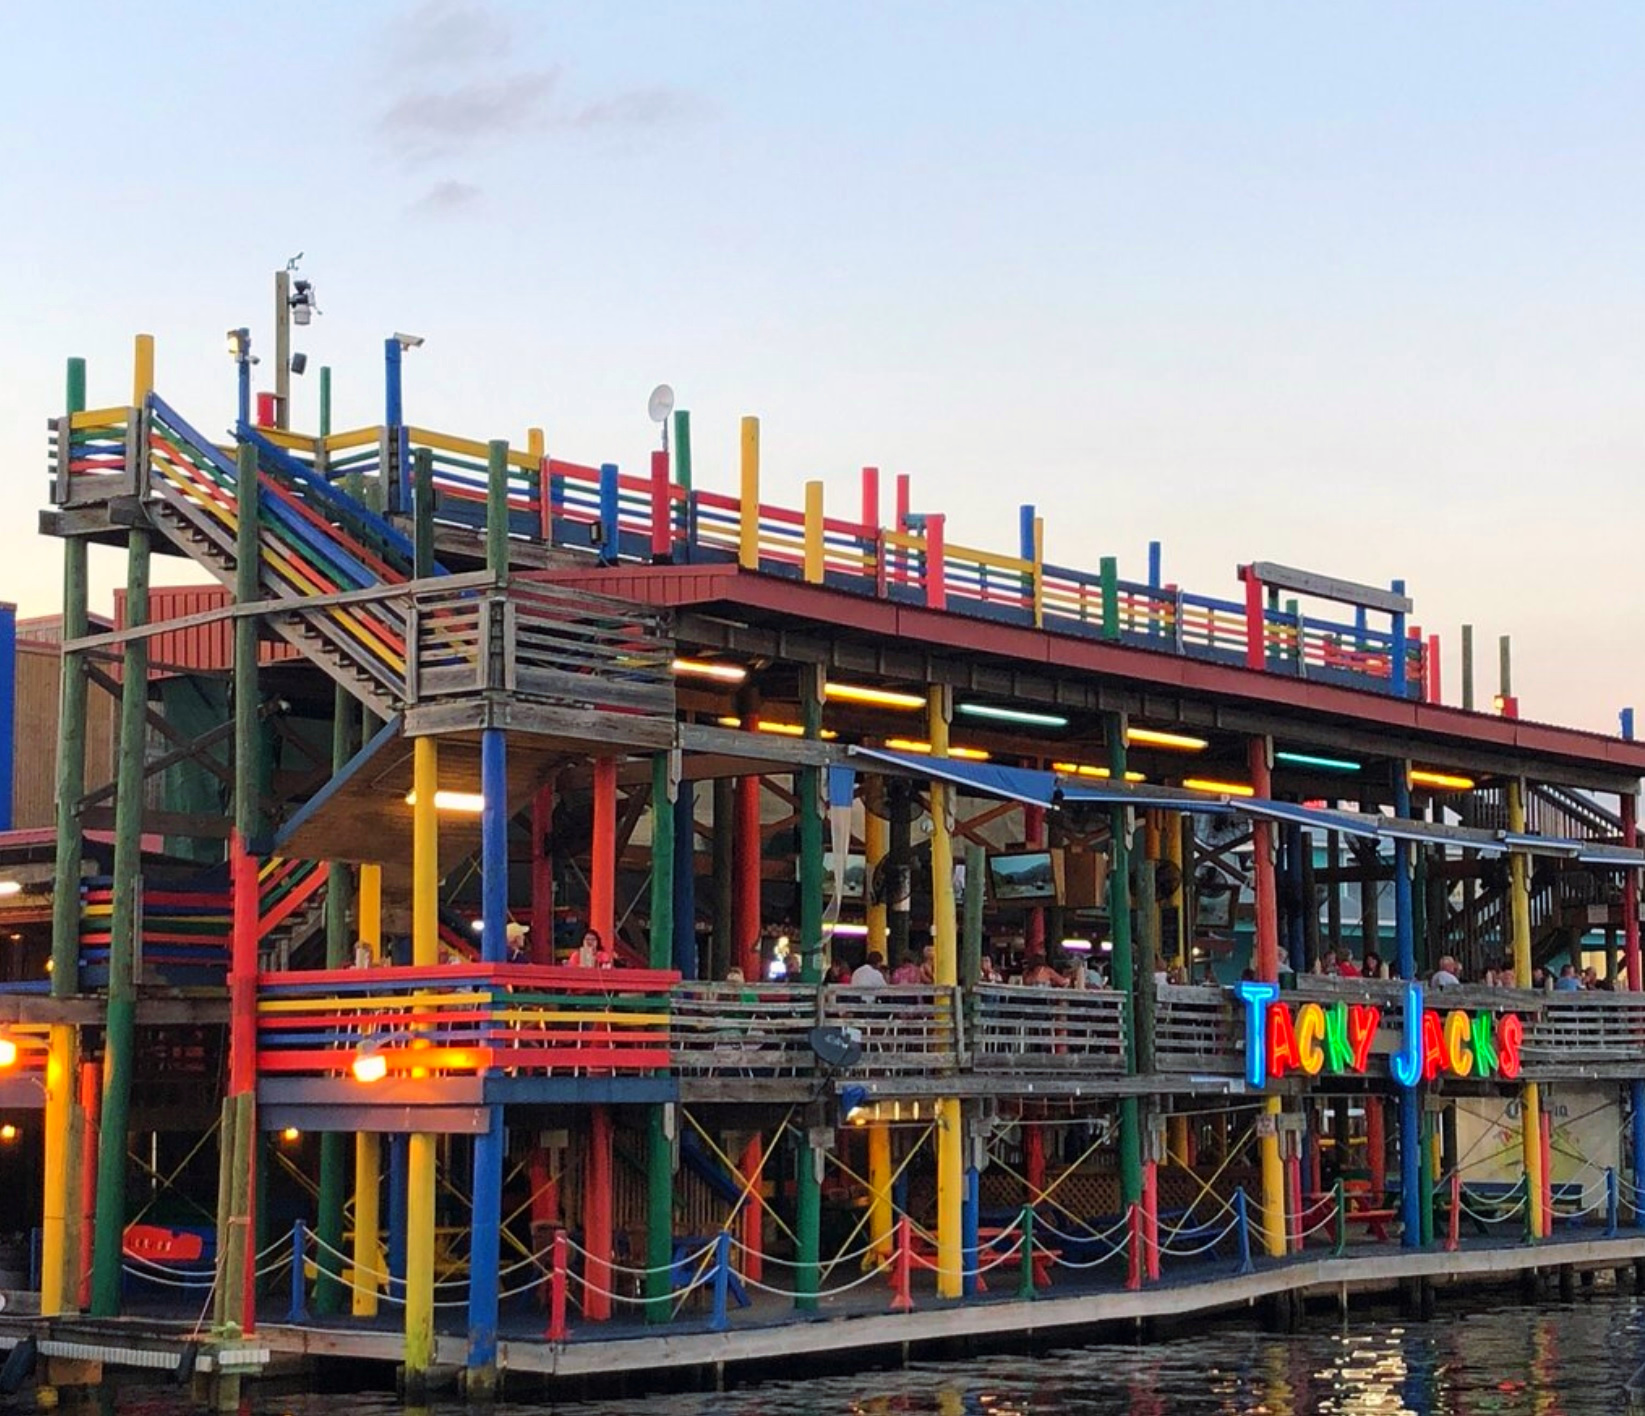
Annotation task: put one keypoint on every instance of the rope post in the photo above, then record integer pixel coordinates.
(1453, 1229)
(902, 1296)
(557, 1285)
(1243, 1216)
(1340, 1238)
(1610, 1202)
(1531, 1235)
(1133, 1256)
(1025, 1284)
(721, 1321)
(1546, 1142)
(299, 1301)
(1150, 1221)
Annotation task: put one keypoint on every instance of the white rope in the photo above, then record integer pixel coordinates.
(1093, 1235)
(204, 1280)
(1205, 1248)
(1118, 1248)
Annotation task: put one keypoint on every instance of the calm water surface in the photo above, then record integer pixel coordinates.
(1551, 1360)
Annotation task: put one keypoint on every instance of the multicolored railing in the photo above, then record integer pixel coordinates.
(465, 1020)
(321, 537)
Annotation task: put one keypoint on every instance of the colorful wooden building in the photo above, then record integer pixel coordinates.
(460, 687)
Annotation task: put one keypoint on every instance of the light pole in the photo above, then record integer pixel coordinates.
(239, 349)
(293, 302)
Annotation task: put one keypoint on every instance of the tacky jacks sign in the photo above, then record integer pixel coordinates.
(1336, 1038)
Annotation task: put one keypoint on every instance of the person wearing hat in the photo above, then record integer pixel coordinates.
(516, 933)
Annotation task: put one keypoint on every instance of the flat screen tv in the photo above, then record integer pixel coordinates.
(1032, 876)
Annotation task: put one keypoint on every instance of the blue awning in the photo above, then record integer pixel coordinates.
(1315, 818)
(1142, 797)
(980, 778)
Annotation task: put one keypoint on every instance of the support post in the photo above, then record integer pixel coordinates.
(811, 833)
(1519, 915)
(748, 526)
(1468, 667)
(368, 1265)
(722, 948)
(879, 1188)
(1119, 909)
(602, 866)
(659, 1222)
(685, 882)
(497, 506)
(542, 875)
(874, 852)
(1267, 970)
(950, 1119)
(745, 946)
(485, 1246)
(597, 1221)
(420, 1146)
(119, 1034)
(1411, 1156)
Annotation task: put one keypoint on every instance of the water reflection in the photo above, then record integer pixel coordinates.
(1555, 1361)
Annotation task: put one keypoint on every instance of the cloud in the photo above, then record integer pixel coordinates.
(427, 123)
(442, 32)
(446, 198)
(639, 108)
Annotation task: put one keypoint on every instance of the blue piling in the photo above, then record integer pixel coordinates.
(1243, 1215)
(721, 1321)
(609, 514)
(299, 1298)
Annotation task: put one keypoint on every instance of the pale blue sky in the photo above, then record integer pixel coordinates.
(1353, 287)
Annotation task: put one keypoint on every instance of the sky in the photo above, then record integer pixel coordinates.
(1354, 287)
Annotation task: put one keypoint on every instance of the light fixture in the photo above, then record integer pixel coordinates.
(477, 925)
(301, 300)
(965, 754)
(1207, 784)
(8, 1133)
(1086, 769)
(874, 697)
(1077, 946)
(1013, 715)
(850, 931)
(10, 887)
(470, 802)
(8, 1052)
(1178, 742)
(761, 725)
(1324, 764)
(290, 1134)
(369, 1064)
(1107, 946)
(710, 669)
(239, 344)
(1445, 781)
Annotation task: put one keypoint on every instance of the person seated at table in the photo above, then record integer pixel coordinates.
(907, 972)
(592, 953)
(1036, 971)
(868, 973)
(1346, 967)
(1448, 974)
(989, 971)
(839, 972)
(1568, 982)
(1373, 967)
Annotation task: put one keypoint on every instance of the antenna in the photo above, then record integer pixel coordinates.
(658, 407)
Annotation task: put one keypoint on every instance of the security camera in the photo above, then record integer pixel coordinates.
(408, 341)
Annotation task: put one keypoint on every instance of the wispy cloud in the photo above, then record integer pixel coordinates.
(446, 198)
(440, 32)
(429, 123)
(486, 97)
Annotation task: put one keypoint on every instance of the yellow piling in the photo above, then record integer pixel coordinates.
(879, 1188)
(1273, 1182)
(813, 533)
(61, 1070)
(425, 952)
(945, 935)
(142, 369)
(368, 1162)
(748, 533)
(1519, 918)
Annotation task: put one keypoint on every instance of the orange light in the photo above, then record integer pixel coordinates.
(1085, 769)
(8, 1052)
(8, 1132)
(1149, 737)
(1206, 784)
(965, 754)
(778, 729)
(369, 1064)
(874, 697)
(469, 803)
(290, 1134)
(710, 669)
(1445, 781)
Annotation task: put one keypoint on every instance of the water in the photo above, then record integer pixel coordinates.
(1550, 1361)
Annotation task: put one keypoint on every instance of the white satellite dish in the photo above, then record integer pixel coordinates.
(660, 404)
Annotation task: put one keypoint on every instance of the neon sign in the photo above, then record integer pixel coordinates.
(1336, 1038)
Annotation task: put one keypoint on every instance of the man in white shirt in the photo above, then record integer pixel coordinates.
(868, 974)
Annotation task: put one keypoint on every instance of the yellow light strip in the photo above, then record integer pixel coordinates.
(780, 729)
(874, 697)
(470, 802)
(710, 669)
(966, 754)
(1206, 784)
(1150, 737)
(1443, 780)
(1085, 769)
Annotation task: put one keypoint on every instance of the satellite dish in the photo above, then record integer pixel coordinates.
(660, 404)
(836, 1046)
